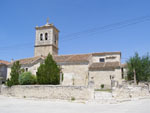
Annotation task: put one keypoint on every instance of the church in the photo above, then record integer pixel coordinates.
(77, 69)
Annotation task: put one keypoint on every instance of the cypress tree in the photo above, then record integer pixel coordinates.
(48, 72)
(15, 72)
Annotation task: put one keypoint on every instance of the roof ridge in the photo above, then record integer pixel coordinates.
(28, 58)
(74, 54)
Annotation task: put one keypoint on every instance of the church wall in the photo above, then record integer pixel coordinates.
(103, 77)
(33, 69)
(75, 74)
(100, 77)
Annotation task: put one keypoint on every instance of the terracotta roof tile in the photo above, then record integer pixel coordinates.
(72, 58)
(29, 60)
(124, 65)
(4, 62)
(106, 53)
(104, 66)
(77, 58)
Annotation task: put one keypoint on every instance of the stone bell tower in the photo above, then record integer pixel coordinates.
(46, 40)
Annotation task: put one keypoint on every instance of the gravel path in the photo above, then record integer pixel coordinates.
(15, 105)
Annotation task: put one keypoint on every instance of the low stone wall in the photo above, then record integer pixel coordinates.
(131, 92)
(127, 92)
(49, 92)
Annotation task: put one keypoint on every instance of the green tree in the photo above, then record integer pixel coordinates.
(48, 72)
(14, 74)
(138, 68)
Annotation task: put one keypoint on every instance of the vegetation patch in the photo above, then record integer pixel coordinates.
(73, 99)
(107, 90)
(27, 78)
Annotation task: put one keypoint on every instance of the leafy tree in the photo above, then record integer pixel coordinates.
(138, 68)
(48, 72)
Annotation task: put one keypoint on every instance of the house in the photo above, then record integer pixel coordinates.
(3, 69)
(78, 69)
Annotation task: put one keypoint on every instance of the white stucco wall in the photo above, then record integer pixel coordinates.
(8, 72)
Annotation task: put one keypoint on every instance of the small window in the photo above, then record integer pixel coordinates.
(41, 37)
(101, 60)
(46, 36)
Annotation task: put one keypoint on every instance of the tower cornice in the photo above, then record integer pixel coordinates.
(47, 27)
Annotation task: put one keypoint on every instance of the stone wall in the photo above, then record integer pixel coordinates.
(75, 74)
(103, 77)
(49, 92)
(131, 92)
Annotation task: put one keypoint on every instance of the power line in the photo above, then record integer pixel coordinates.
(109, 27)
(93, 31)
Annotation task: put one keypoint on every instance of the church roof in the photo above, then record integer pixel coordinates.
(124, 65)
(30, 60)
(59, 59)
(4, 62)
(104, 66)
(106, 53)
(72, 58)
(76, 58)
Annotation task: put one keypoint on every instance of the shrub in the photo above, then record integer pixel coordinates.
(9, 83)
(102, 86)
(27, 78)
(73, 99)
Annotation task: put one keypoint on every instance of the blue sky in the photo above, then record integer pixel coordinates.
(19, 17)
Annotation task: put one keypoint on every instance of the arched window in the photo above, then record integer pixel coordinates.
(41, 36)
(46, 36)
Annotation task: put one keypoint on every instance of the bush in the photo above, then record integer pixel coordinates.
(73, 99)
(27, 78)
(102, 86)
(9, 83)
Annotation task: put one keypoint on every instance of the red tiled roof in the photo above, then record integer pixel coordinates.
(72, 58)
(124, 65)
(4, 62)
(106, 53)
(78, 58)
(104, 66)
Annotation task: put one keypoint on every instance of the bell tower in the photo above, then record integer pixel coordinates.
(46, 40)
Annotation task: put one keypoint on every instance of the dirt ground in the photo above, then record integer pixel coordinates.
(16, 105)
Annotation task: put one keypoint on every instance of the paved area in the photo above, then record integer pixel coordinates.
(14, 105)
